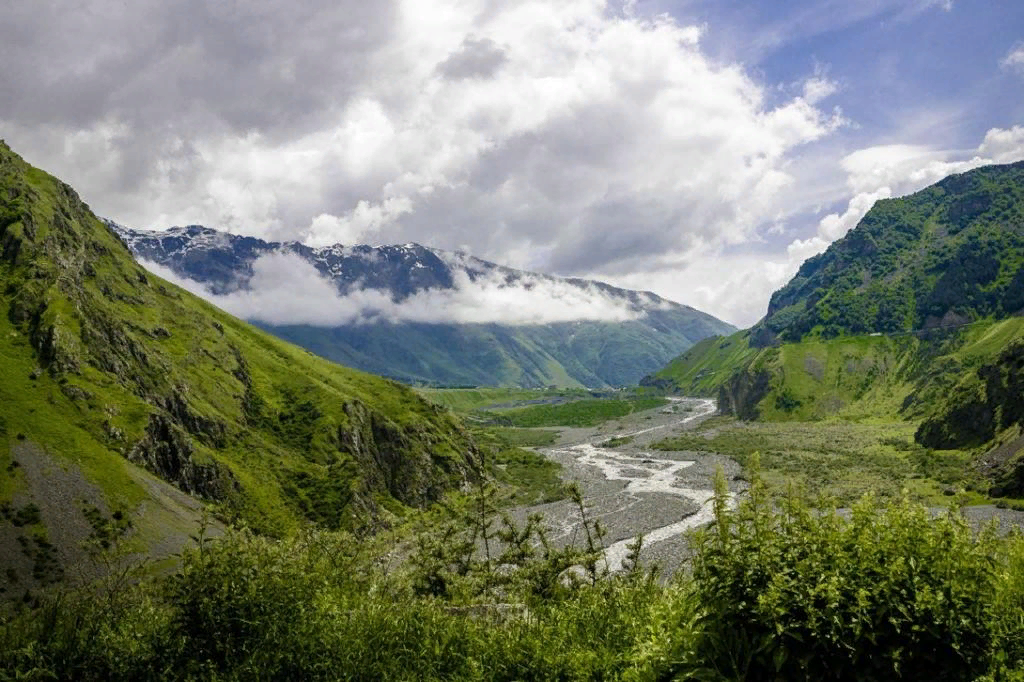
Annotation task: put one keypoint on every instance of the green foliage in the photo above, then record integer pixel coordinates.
(524, 438)
(952, 249)
(27, 515)
(838, 459)
(466, 400)
(777, 591)
(984, 403)
(534, 478)
(885, 594)
(320, 607)
(786, 400)
(106, 531)
(579, 412)
(702, 369)
(958, 389)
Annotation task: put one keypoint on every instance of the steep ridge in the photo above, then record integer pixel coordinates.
(107, 371)
(915, 314)
(947, 255)
(589, 353)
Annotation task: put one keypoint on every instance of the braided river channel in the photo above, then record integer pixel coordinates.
(633, 489)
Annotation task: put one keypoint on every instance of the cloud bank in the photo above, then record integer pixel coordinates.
(285, 289)
(573, 137)
(592, 138)
(740, 284)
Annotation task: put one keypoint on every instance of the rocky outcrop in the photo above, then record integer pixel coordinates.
(980, 412)
(414, 468)
(167, 451)
(740, 395)
(976, 412)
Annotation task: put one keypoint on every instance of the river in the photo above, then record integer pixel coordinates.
(635, 490)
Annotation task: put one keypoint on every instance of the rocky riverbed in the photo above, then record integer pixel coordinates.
(635, 490)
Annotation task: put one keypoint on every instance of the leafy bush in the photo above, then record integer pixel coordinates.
(776, 592)
(885, 594)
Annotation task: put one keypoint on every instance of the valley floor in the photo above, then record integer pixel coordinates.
(632, 489)
(652, 472)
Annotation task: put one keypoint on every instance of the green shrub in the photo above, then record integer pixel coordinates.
(885, 594)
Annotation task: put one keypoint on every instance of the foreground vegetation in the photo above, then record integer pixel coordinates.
(774, 591)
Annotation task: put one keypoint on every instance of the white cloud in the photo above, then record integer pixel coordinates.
(1003, 145)
(359, 226)
(895, 170)
(736, 286)
(819, 88)
(572, 136)
(562, 133)
(1014, 59)
(285, 289)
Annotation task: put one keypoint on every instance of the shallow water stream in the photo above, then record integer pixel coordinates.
(635, 490)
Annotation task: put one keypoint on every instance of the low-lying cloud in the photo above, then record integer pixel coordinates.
(285, 289)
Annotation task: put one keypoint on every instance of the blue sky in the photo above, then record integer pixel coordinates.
(701, 149)
(896, 63)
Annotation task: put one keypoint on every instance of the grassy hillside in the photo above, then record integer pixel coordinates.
(105, 368)
(914, 315)
(852, 377)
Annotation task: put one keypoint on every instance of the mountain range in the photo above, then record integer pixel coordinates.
(130, 405)
(425, 315)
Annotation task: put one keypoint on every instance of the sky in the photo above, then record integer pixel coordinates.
(699, 149)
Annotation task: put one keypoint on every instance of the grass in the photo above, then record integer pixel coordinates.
(579, 412)
(466, 400)
(534, 479)
(524, 438)
(705, 366)
(854, 378)
(838, 459)
(527, 477)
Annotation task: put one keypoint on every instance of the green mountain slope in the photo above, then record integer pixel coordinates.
(851, 377)
(571, 354)
(106, 370)
(946, 255)
(915, 315)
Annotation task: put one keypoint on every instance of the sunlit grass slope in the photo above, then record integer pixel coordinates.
(102, 364)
